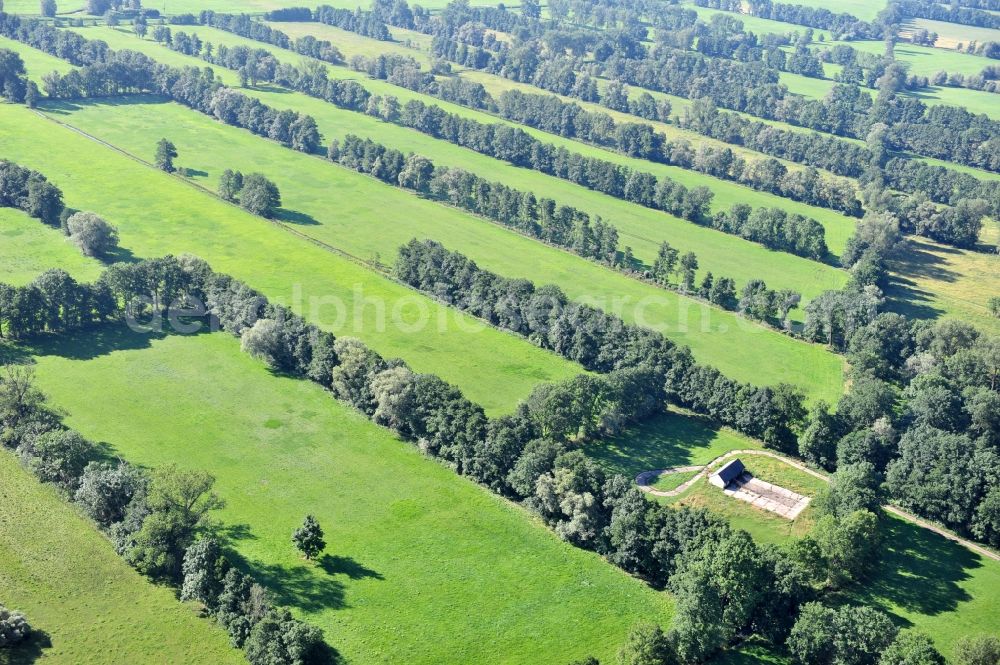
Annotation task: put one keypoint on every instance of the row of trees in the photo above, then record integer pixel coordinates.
(952, 13)
(798, 235)
(575, 230)
(243, 26)
(158, 521)
(842, 26)
(542, 218)
(601, 342)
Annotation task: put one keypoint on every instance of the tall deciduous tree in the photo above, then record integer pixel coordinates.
(166, 152)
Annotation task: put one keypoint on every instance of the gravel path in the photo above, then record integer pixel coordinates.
(646, 477)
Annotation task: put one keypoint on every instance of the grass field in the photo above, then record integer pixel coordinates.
(159, 214)
(727, 193)
(30, 247)
(931, 280)
(952, 34)
(673, 439)
(422, 566)
(716, 336)
(208, 146)
(88, 606)
(924, 60)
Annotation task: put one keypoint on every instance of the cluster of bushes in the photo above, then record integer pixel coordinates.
(564, 226)
(158, 522)
(14, 627)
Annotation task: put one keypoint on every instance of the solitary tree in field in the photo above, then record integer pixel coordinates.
(47, 8)
(259, 195)
(994, 305)
(308, 538)
(165, 154)
(91, 234)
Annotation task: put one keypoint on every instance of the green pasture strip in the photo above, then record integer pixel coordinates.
(86, 604)
(930, 280)
(28, 247)
(368, 218)
(37, 63)
(839, 227)
(421, 565)
(159, 214)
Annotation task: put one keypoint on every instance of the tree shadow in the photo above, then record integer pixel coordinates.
(194, 173)
(918, 571)
(119, 255)
(267, 87)
(296, 217)
(102, 340)
(335, 564)
(229, 534)
(11, 354)
(300, 586)
(658, 443)
(29, 651)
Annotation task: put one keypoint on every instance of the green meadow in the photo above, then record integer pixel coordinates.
(717, 336)
(952, 34)
(930, 280)
(85, 604)
(924, 60)
(30, 247)
(839, 227)
(421, 565)
(208, 147)
(159, 214)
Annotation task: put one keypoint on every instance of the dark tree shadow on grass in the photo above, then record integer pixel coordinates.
(659, 443)
(11, 354)
(302, 586)
(119, 255)
(919, 571)
(102, 340)
(295, 217)
(335, 564)
(28, 651)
